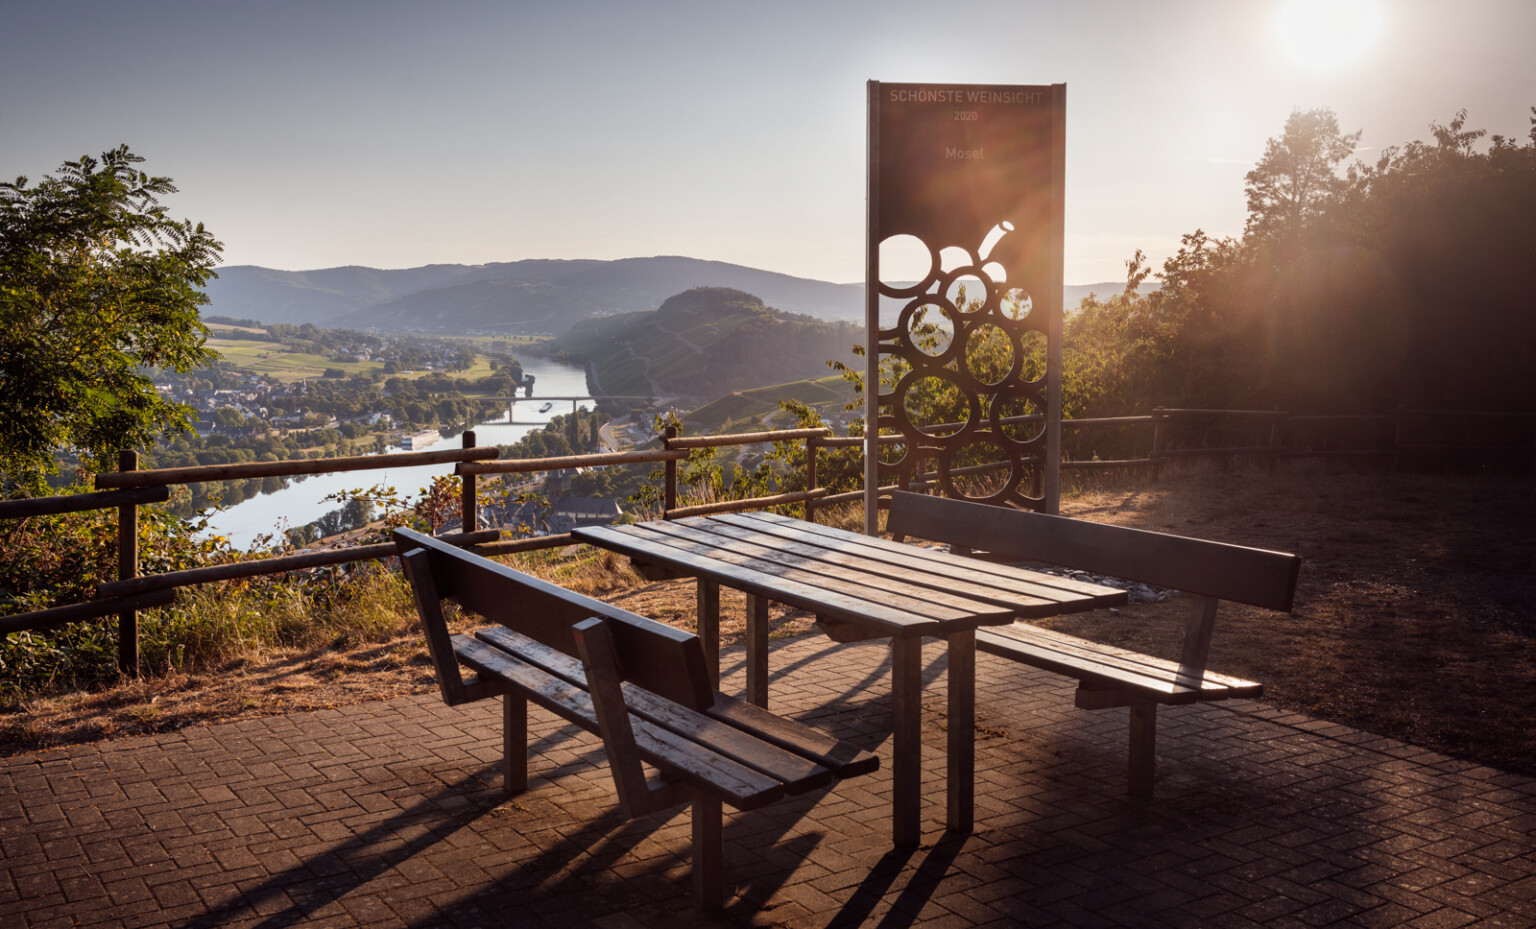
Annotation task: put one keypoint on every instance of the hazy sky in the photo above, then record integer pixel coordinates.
(314, 134)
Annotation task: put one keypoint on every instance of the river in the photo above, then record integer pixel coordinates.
(303, 500)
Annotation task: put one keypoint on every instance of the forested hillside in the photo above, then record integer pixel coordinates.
(708, 341)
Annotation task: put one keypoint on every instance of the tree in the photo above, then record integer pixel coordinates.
(97, 285)
(1298, 176)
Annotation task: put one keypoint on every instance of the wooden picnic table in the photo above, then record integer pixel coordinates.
(860, 587)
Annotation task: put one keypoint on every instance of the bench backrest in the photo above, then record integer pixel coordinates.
(1212, 569)
(658, 657)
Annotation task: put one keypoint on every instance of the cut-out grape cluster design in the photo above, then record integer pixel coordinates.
(970, 354)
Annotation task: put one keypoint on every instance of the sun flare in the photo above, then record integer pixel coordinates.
(1327, 33)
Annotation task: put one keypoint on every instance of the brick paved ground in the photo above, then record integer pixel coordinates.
(390, 814)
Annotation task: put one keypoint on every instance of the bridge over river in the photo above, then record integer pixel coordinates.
(511, 402)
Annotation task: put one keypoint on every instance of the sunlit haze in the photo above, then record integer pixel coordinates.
(1328, 33)
(396, 134)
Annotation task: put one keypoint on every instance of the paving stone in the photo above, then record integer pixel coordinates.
(391, 814)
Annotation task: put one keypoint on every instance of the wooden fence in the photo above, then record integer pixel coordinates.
(1170, 434)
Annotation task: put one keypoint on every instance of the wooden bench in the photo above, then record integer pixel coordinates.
(1109, 676)
(640, 684)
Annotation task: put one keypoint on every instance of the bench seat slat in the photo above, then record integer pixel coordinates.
(798, 771)
(709, 771)
(1062, 657)
(843, 758)
(1213, 686)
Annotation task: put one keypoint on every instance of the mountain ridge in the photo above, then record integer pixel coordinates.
(532, 296)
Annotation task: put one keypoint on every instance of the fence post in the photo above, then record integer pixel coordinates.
(811, 444)
(1158, 418)
(127, 568)
(469, 517)
(669, 492)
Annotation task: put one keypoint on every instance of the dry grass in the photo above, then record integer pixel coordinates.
(1415, 615)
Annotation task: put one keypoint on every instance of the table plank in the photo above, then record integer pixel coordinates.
(918, 601)
(779, 589)
(993, 581)
(741, 546)
(881, 548)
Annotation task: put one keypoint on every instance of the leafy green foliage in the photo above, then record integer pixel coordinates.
(97, 284)
(54, 560)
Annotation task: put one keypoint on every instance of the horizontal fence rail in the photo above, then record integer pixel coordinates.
(79, 503)
(250, 469)
(1168, 434)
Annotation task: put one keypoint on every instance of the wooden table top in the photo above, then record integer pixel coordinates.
(887, 587)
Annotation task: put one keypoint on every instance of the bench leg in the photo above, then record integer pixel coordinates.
(1143, 757)
(757, 651)
(708, 854)
(514, 743)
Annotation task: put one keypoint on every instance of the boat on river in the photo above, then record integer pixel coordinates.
(419, 441)
(548, 404)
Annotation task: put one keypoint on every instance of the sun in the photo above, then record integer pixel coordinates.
(1327, 33)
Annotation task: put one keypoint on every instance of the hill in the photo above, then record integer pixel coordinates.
(706, 342)
(526, 297)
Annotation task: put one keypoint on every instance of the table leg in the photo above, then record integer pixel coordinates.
(906, 741)
(962, 730)
(757, 651)
(708, 612)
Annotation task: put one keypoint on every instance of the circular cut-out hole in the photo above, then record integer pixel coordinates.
(995, 272)
(954, 257)
(967, 292)
(1020, 419)
(1016, 303)
(988, 353)
(979, 470)
(935, 406)
(906, 262)
(930, 329)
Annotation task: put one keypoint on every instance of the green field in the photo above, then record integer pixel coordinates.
(270, 358)
(273, 360)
